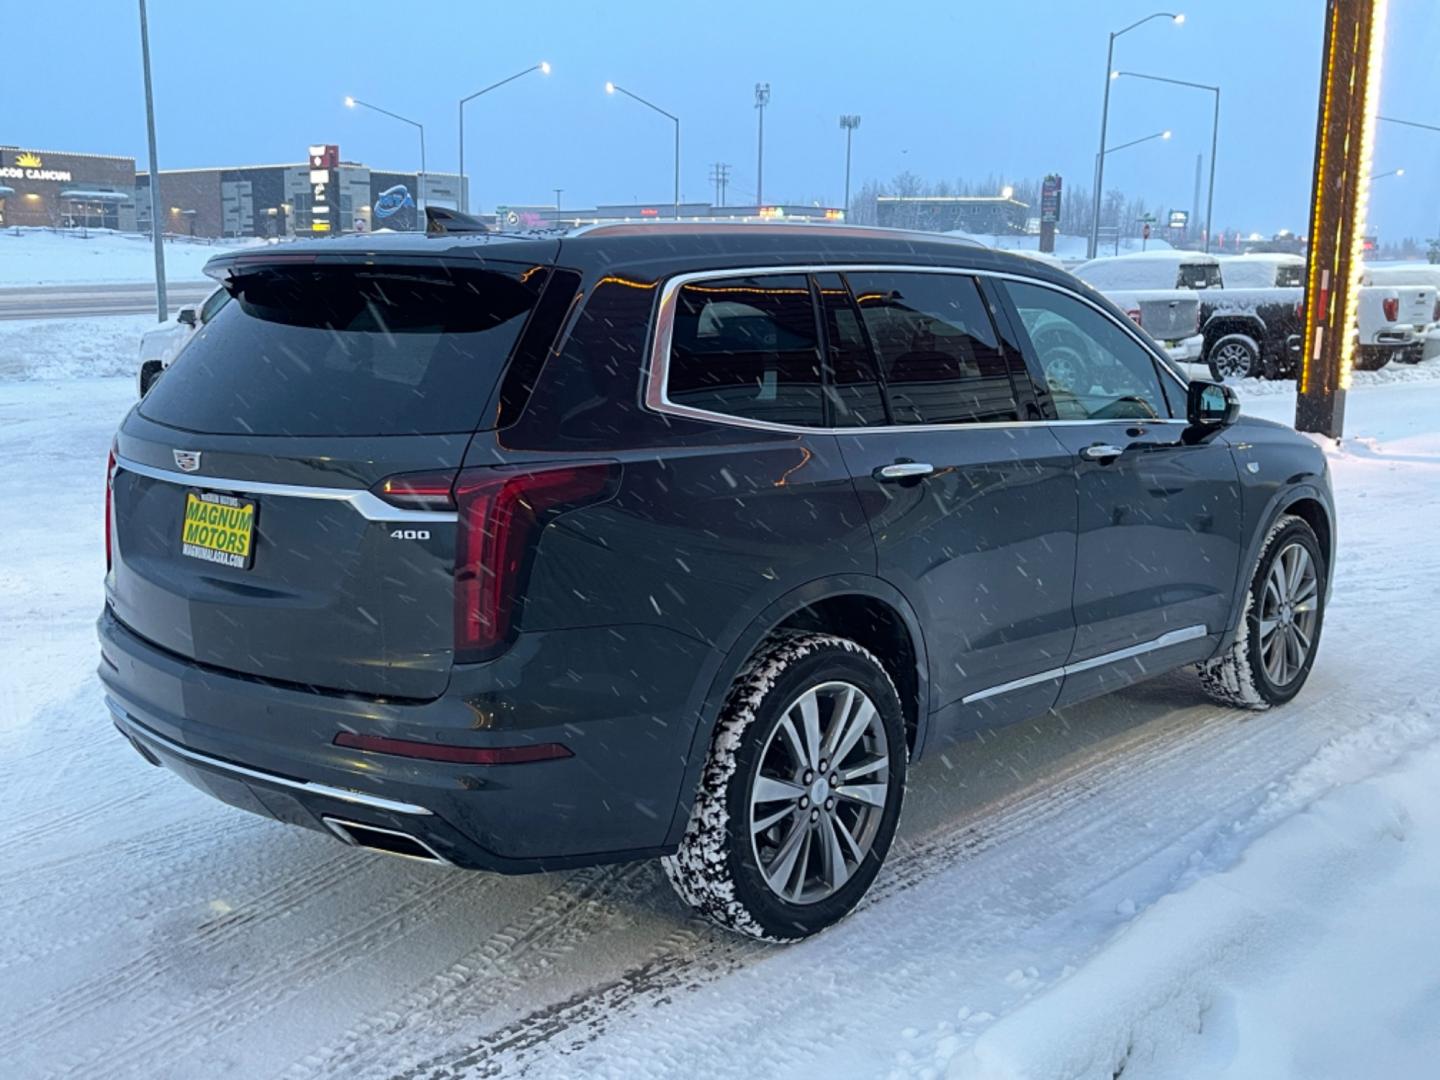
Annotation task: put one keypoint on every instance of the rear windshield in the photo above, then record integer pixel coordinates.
(1289, 274)
(1198, 276)
(349, 351)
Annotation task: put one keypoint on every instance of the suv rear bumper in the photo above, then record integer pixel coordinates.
(269, 748)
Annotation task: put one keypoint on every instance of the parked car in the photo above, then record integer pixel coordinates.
(1157, 289)
(1408, 278)
(159, 346)
(526, 553)
(1253, 321)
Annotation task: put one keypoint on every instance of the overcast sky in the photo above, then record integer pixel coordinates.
(945, 89)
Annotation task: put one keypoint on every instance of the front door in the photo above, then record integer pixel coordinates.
(1159, 526)
(971, 504)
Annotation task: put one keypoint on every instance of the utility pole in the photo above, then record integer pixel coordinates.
(849, 122)
(720, 177)
(162, 304)
(1339, 194)
(762, 98)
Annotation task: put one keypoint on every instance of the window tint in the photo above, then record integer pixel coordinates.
(854, 390)
(340, 351)
(1095, 370)
(939, 359)
(747, 347)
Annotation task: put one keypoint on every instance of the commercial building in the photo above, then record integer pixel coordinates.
(57, 189)
(988, 215)
(277, 200)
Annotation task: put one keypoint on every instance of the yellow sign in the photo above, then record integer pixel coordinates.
(218, 529)
(28, 166)
(28, 161)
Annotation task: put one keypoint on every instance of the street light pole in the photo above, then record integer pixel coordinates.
(351, 102)
(1100, 161)
(612, 88)
(849, 122)
(543, 67)
(1214, 136)
(762, 98)
(162, 305)
(1105, 118)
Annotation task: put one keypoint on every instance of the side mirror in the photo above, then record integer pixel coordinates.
(1211, 405)
(187, 316)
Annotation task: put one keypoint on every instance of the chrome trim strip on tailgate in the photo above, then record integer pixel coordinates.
(375, 802)
(1173, 637)
(365, 503)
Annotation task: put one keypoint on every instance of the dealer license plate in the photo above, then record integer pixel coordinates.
(219, 529)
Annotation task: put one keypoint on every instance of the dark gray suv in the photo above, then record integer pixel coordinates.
(523, 553)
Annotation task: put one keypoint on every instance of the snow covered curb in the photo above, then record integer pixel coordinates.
(71, 348)
(1274, 967)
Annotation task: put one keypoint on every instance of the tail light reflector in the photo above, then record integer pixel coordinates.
(1392, 309)
(458, 755)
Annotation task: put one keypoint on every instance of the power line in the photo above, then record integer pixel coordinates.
(720, 177)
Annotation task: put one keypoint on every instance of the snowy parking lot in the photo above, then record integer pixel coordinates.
(1147, 884)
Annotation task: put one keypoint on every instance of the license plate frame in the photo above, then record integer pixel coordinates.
(219, 528)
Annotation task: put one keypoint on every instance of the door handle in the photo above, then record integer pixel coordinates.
(1101, 452)
(904, 470)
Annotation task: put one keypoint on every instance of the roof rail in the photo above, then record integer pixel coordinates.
(839, 229)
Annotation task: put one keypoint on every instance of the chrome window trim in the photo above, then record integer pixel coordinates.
(1164, 641)
(365, 503)
(657, 368)
(145, 735)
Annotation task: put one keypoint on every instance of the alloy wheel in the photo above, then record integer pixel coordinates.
(1232, 360)
(819, 792)
(1289, 610)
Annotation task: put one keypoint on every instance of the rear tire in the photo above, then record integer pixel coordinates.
(767, 852)
(1369, 358)
(1234, 356)
(1279, 633)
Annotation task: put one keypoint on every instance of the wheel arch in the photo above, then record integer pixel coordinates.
(864, 608)
(1225, 323)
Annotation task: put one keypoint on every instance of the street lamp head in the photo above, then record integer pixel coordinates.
(349, 102)
(1114, 74)
(1179, 19)
(544, 67)
(1399, 172)
(609, 87)
(1166, 134)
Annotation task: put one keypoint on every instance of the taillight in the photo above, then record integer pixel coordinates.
(500, 513)
(109, 510)
(1134, 314)
(1392, 309)
(1300, 311)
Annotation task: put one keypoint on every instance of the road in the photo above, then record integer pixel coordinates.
(148, 931)
(60, 301)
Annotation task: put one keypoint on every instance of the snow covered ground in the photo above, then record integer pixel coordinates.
(1147, 885)
(49, 257)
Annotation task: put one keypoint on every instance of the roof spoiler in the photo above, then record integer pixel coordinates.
(440, 221)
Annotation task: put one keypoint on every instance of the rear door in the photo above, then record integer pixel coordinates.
(1159, 513)
(247, 533)
(971, 501)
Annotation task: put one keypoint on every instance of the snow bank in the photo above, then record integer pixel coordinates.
(1304, 960)
(50, 257)
(71, 348)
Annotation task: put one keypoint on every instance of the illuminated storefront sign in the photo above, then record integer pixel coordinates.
(28, 166)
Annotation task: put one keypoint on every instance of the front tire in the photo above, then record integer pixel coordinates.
(1234, 356)
(1279, 634)
(801, 794)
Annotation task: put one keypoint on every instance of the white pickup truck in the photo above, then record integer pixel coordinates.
(159, 346)
(1158, 290)
(1407, 278)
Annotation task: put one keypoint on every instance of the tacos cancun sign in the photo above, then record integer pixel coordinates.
(31, 167)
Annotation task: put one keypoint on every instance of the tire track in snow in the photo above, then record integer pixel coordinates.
(1140, 766)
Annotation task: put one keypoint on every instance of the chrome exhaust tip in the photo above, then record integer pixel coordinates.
(387, 841)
